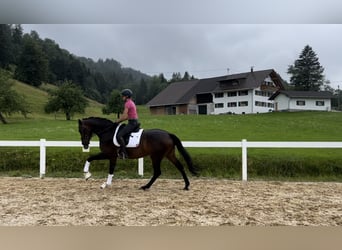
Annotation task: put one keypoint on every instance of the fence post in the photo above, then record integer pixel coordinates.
(42, 168)
(141, 166)
(244, 159)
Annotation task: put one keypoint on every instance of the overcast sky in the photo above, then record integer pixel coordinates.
(204, 50)
(203, 37)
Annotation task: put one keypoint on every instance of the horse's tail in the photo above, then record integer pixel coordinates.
(185, 154)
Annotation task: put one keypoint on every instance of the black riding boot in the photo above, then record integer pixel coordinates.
(122, 152)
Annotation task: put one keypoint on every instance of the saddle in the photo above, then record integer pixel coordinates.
(132, 140)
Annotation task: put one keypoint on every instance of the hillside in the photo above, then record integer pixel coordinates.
(38, 97)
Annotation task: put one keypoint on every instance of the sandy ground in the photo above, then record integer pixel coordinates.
(55, 201)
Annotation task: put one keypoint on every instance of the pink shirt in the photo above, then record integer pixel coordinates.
(132, 110)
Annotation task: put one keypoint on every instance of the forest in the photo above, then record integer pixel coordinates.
(35, 61)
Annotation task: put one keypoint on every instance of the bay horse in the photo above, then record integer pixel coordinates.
(155, 143)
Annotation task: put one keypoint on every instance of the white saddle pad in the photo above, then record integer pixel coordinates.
(134, 138)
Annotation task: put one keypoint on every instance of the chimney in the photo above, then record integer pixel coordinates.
(252, 69)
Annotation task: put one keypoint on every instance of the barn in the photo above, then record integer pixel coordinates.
(242, 93)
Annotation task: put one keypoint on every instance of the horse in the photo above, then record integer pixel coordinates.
(156, 143)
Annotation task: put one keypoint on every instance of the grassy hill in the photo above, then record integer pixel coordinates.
(38, 97)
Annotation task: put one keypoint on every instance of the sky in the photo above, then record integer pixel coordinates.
(207, 38)
(204, 50)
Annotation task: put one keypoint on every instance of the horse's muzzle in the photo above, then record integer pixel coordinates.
(85, 146)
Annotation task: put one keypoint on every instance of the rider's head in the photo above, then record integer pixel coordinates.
(127, 93)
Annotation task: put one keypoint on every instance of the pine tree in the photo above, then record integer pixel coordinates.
(5, 45)
(186, 76)
(306, 73)
(17, 39)
(32, 67)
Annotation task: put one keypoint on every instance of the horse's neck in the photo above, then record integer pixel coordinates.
(103, 129)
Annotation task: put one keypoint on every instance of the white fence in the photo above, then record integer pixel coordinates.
(244, 144)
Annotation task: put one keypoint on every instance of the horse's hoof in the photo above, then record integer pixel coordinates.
(104, 185)
(186, 188)
(87, 176)
(144, 188)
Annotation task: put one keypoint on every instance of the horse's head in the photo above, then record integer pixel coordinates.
(85, 132)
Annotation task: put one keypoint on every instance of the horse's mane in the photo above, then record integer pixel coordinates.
(101, 119)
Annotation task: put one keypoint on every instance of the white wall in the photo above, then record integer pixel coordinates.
(285, 103)
(251, 98)
(233, 99)
(282, 103)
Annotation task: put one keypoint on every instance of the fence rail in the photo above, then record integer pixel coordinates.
(244, 144)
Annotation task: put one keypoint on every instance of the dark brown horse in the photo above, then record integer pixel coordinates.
(154, 142)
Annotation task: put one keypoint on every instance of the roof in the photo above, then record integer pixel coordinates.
(175, 93)
(182, 92)
(303, 94)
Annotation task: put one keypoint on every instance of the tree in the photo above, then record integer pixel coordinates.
(306, 72)
(32, 66)
(114, 105)
(67, 98)
(17, 39)
(10, 101)
(5, 45)
(176, 77)
(142, 91)
(186, 76)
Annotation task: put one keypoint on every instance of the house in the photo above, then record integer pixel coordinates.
(302, 100)
(242, 93)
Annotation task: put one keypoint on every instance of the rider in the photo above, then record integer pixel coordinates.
(130, 114)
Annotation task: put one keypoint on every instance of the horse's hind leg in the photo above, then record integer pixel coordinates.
(156, 159)
(178, 164)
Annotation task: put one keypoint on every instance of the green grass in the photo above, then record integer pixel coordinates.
(292, 164)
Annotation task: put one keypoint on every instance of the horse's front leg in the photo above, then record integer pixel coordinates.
(99, 156)
(112, 164)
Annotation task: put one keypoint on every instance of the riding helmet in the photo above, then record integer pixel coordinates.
(127, 92)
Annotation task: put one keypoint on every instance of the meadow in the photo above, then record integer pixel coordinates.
(289, 164)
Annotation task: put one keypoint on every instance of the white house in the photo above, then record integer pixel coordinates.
(242, 93)
(247, 100)
(302, 100)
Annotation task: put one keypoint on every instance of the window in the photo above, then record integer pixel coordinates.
(231, 104)
(219, 105)
(319, 103)
(300, 103)
(234, 93)
(218, 95)
(258, 92)
(260, 104)
(267, 83)
(263, 93)
(171, 110)
(243, 92)
(243, 104)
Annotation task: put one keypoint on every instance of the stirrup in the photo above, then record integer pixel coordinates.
(122, 155)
